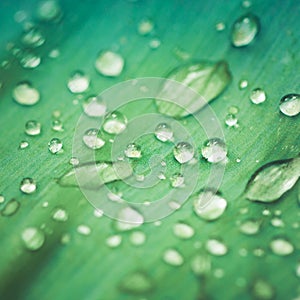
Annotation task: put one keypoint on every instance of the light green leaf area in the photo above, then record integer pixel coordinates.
(83, 266)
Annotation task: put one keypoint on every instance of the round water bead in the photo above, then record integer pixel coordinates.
(258, 96)
(78, 82)
(133, 151)
(173, 257)
(25, 94)
(290, 105)
(177, 180)
(249, 227)
(114, 241)
(243, 84)
(216, 247)
(28, 185)
(48, 10)
(214, 150)
(114, 123)
(163, 132)
(145, 27)
(281, 247)
(84, 230)
(183, 152)
(109, 63)
(55, 145)
(32, 128)
(92, 139)
(60, 215)
(94, 107)
(137, 238)
(33, 238)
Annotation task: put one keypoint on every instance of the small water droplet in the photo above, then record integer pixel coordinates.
(244, 30)
(174, 205)
(243, 84)
(28, 186)
(133, 151)
(55, 145)
(249, 227)
(220, 26)
(137, 238)
(258, 96)
(33, 238)
(183, 152)
(84, 230)
(92, 139)
(29, 60)
(78, 82)
(276, 222)
(290, 105)
(233, 110)
(60, 215)
(33, 128)
(259, 252)
(246, 3)
(231, 120)
(163, 132)
(177, 180)
(128, 218)
(25, 94)
(201, 264)
(2, 199)
(173, 257)
(48, 10)
(263, 290)
(23, 145)
(74, 161)
(137, 282)
(10, 208)
(281, 247)
(114, 123)
(109, 63)
(33, 38)
(214, 150)
(154, 43)
(183, 231)
(98, 213)
(94, 107)
(57, 125)
(208, 205)
(145, 27)
(216, 247)
(65, 239)
(114, 241)
(298, 269)
(54, 53)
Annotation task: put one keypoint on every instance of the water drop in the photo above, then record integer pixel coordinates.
(216, 247)
(54, 53)
(154, 43)
(128, 218)
(28, 186)
(220, 26)
(276, 222)
(55, 145)
(84, 230)
(2, 199)
(92, 139)
(74, 161)
(145, 27)
(33, 238)
(233, 110)
(23, 145)
(231, 120)
(133, 151)
(163, 132)
(137, 238)
(57, 125)
(177, 180)
(48, 10)
(114, 123)
(173, 257)
(201, 264)
(33, 38)
(136, 283)
(114, 241)
(183, 152)
(60, 215)
(30, 60)
(208, 205)
(281, 247)
(258, 96)
(109, 63)
(65, 239)
(183, 231)
(32, 128)
(214, 150)
(25, 94)
(10, 208)
(243, 84)
(244, 30)
(249, 227)
(78, 82)
(290, 105)
(94, 107)
(263, 290)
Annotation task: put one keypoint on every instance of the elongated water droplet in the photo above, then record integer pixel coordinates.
(92, 139)
(137, 238)
(208, 205)
(60, 215)
(216, 247)
(137, 282)
(10, 208)
(183, 231)
(84, 230)
(29, 60)
(177, 180)
(290, 105)
(33, 38)
(272, 180)
(249, 227)
(208, 79)
(244, 30)
(201, 265)
(183, 152)
(78, 82)
(33, 128)
(94, 107)
(214, 150)
(281, 247)
(48, 10)
(173, 257)
(128, 218)
(23, 145)
(163, 132)
(258, 96)
(133, 151)
(114, 123)
(109, 63)
(114, 241)
(28, 186)
(33, 238)
(55, 145)
(25, 94)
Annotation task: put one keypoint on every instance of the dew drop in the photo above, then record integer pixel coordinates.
(216, 247)
(231, 120)
(33, 38)
(25, 94)
(48, 10)
(114, 241)
(60, 215)
(173, 257)
(177, 180)
(154, 43)
(23, 145)
(145, 27)
(92, 139)
(78, 82)
(137, 238)
(208, 205)
(281, 247)
(243, 84)
(244, 30)
(84, 230)
(136, 283)
(290, 105)
(183, 152)
(2, 199)
(220, 26)
(263, 290)
(163, 132)
(249, 227)
(10, 208)
(57, 125)
(74, 161)
(214, 150)
(128, 218)
(94, 107)
(33, 238)
(201, 264)
(133, 151)
(183, 231)
(55, 145)
(30, 60)
(109, 63)
(33, 128)
(28, 186)
(258, 96)
(65, 239)
(114, 123)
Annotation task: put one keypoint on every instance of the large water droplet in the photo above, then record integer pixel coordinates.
(214, 150)
(244, 30)
(60, 215)
(109, 63)
(25, 94)
(183, 152)
(28, 186)
(209, 206)
(92, 139)
(208, 79)
(163, 132)
(10, 208)
(94, 107)
(78, 82)
(33, 238)
(55, 145)
(33, 128)
(290, 105)
(183, 231)
(258, 96)
(173, 257)
(136, 283)
(272, 180)
(216, 247)
(133, 151)
(281, 246)
(114, 123)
